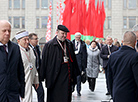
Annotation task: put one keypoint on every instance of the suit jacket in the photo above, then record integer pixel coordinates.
(39, 53)
(100, 46)
(104, 53)
(122, 72)
(12, 78)
(52, 60)
(81, 56)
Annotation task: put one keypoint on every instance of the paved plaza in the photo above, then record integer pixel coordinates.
(86, 95)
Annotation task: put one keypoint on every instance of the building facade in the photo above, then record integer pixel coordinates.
(32, 15)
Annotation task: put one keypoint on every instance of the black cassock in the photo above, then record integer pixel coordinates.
(59, 76)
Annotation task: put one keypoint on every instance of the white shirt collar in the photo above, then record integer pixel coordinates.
(110, 45)
(3, 44)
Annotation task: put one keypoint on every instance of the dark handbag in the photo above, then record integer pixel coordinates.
(83, 78)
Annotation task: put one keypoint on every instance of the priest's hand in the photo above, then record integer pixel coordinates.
(36, 86)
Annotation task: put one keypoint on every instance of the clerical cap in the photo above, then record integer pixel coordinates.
(63, 28)
(21, 34)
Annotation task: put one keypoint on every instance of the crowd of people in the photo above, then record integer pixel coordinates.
(62, 64)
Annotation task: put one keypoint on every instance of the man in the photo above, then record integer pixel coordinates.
(100, 44)
(81, 56)
(106, 51)
(28, 57)
(12, 81)
(115, 40)
(135, 30)
(33, 39)
(59, 67)
(123, 71)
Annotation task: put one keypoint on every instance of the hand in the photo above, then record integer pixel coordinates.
(36, 86)
(82, 72)
(21, 99)
(108, 56)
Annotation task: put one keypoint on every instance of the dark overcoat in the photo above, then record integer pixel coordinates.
(81, 56)
(122, 72)
(104, 53)
(51, 62)
(12, 77)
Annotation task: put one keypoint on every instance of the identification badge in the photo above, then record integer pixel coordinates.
(76, 52)
(65, 59)
(30, 66)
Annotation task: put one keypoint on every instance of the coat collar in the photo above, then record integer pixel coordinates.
(125, 47)
(55, 42)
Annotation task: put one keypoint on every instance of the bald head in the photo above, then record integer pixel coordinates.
(5, 31)
(5, 21)
(129, 38)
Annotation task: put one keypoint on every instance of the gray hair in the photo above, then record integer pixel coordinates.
(129, 37)
(109, 37)
(135, 28)
(77, 33)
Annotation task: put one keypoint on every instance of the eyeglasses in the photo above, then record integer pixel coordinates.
(25, 39)
(34, 38)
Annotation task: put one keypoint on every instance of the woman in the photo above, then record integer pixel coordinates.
(93, 62)
(117, 44)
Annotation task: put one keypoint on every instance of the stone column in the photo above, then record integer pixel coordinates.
(4, 9)
(30, 13)
(117, 19)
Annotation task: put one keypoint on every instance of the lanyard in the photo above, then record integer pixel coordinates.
(28, 57)
(64, 49)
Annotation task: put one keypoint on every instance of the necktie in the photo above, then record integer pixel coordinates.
(77, 46)
(109, 50)
(4, 46)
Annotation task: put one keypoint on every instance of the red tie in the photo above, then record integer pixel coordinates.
(4, 46)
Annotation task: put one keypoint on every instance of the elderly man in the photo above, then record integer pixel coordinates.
(106, 51)
(28, 57)
(59, 67)
(81, 56)
(122, 71)
(12, 81)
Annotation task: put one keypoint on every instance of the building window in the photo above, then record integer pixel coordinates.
(44, 21)
(23, 4)
(23, 22)
(10, 4)
(37, 22)
(125, 4)
(16, 4)
(109, 22)
(132, 21)
(16, 22)
(109, 4)
(10, 19)
(132, 4)
(124, 22)
(37, 4)
(44, 3)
